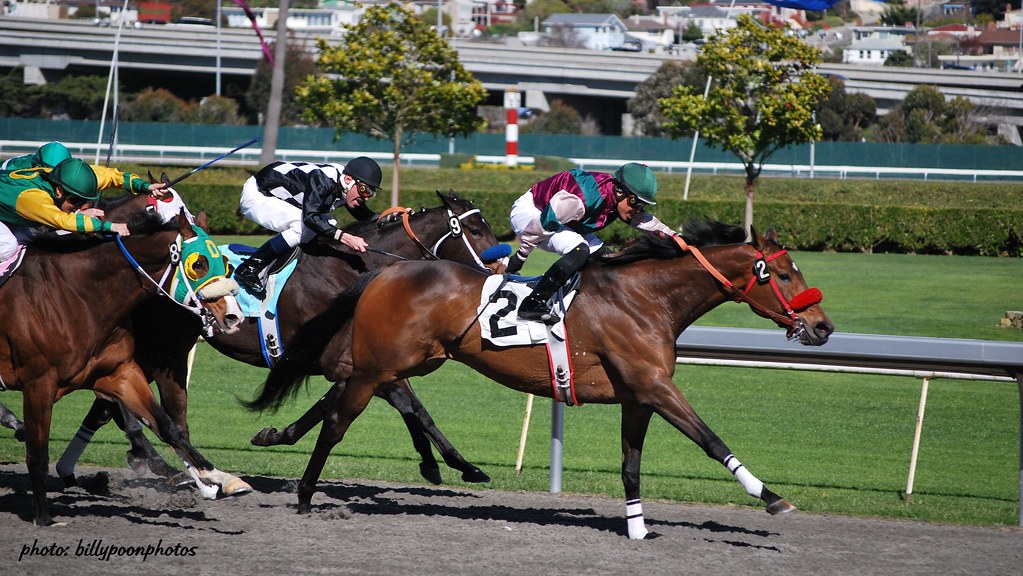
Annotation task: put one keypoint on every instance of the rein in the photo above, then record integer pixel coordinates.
(762, 275)
(454, 230)
(192, 303)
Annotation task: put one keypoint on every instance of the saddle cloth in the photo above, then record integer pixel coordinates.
(265, 311)
(501, 326)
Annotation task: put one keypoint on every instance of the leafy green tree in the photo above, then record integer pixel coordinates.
(692, 32)
(925, 117)
(899, 58)
(762, 99)
(392, 78)
(16, 99)
(215, 109)
(157, 105)
(298, 66)
(844, 116)
(645, 106)
(898, 14)
(77, 97)
(561, 119)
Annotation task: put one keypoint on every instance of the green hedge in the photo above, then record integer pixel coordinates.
(818, 215)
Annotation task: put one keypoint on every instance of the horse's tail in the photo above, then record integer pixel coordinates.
(302, 354)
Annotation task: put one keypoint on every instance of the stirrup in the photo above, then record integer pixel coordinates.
(250, 280)
(538, 310)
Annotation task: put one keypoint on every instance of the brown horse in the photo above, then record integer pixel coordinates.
(455, 230)
(65, 326)
(621, 333)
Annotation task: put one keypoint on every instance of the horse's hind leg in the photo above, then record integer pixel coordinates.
(9, 420)
(336, 420)
(423, 430)
(293, 432)
(635, 421)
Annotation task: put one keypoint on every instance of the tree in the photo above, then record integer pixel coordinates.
(79, 97)
(899, 58)
(392, 78)
(925, 117)
(645, 106)
(898, 14)
(762, 98)
(843, 116)
(157, 105)
(561, 119)
(298, 66)
(215, 109)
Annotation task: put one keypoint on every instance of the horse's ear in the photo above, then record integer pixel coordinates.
(444, 199)
(150, 174)
(755, 238)
(201, 220)
(164, 178)
(772, 235)
(184, 226)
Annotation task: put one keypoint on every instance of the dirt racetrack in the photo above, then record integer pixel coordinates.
(370, 528)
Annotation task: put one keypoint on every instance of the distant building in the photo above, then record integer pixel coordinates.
(872, 45)
(593, 31)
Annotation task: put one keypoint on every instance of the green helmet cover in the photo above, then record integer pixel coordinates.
(50, 154)
(76, 177)
(639, 180)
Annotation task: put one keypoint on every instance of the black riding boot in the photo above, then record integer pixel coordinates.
(537, 306)
(248, 272)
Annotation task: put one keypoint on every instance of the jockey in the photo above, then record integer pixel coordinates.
(60, 198)
(562, 213)
(295, 199)
(47, 156)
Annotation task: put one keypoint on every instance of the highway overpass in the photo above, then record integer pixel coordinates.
(595, 83)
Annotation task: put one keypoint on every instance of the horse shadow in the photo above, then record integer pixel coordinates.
(350, 497)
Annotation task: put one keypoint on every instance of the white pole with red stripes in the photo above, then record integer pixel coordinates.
(512, 101)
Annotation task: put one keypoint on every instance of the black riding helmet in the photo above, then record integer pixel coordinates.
(365, 170)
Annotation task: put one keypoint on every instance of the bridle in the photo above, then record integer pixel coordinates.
(454, 231)
(762, 275)
(191, 300)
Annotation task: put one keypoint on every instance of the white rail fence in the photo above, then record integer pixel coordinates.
(923, 358)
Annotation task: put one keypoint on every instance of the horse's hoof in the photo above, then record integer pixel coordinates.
(69, 481)
(475, 475)
(430, 473)
(19, 434)
(265, 437)
(304, 508)
(235, 487)
(780, 506)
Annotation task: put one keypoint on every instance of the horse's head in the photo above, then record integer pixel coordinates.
(776, 290)
(203, 276)
(468, 237)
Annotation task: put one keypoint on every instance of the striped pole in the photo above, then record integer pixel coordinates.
(512, 101)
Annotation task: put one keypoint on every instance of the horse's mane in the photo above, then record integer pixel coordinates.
(145, 222)
(370, 227)
(699, 232)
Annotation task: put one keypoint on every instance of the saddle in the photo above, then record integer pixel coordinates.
(501, 326)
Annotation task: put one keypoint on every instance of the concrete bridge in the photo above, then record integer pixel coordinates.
(189, 57)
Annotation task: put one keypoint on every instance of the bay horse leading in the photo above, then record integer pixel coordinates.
(64, 326)
(455, 230)
(621, 330)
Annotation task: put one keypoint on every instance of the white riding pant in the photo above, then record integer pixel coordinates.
(525, 219)
(275, 214)
(10, 237)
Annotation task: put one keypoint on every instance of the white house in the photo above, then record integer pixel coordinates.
(593, 31)
(872, 45)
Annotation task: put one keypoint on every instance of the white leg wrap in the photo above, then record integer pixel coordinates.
(208, 491)
(634, 516)
(753, 486)
(74, 450)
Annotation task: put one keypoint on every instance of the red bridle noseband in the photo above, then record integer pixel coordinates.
(762, 275)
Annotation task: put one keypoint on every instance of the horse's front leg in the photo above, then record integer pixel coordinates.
(423, 430)
(129, 385)
(9, 420)
(674, 408)
(37, 402)
(635, 421)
